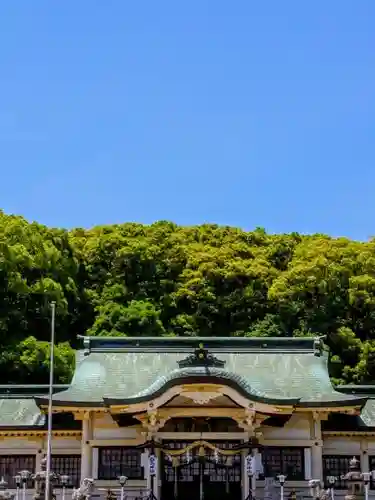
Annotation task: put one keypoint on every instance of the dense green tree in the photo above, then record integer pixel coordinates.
(29, 361)
(164, 279)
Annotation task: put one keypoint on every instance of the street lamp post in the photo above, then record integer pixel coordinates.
(123, 480)
(331, 480)
(281, 478)
(18, 481)
(366, 476)
(25, 476)
(64, 479)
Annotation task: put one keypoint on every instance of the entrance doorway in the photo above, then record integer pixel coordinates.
(194, 476)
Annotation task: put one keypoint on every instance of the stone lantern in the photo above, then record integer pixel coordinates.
(354, 480)
(5, 494)
(40, 478)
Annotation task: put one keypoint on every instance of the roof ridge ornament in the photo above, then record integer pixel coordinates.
(86, 342)
(201, 357)
(319, 345)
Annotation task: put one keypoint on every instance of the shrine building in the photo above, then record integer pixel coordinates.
(201, 407)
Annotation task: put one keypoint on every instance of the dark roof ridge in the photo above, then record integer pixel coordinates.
(229, 344)
(28, 390)
(356, 389)
(38, 386)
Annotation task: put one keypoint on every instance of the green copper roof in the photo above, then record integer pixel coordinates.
(368, 413)
(279, 370)
(364, 422)
(18, 408)
(16, 412)
(367, 417)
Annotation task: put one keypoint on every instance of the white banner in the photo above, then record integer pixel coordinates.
(250, 469)
(152, 465)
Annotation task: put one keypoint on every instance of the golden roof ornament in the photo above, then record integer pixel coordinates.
(201, 357)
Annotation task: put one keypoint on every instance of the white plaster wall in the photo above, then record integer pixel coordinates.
(114, 433)
(370, 445)
(298, 427)
(10, 446)
(105, 428)
(342, 446)
(103, 420)
(66, 445)
(37, 447)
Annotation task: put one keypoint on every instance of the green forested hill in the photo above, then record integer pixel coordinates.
(163, 279)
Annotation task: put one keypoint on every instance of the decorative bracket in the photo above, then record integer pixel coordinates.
(250, 420)
(201, 357)
(152, 421)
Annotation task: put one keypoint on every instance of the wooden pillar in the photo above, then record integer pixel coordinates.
(38, 457)
(317, 448)
(246, 484)
(307, 458)
(158, 478)
(245, 478)
(147, 471)
(86, 451)
(365, 465)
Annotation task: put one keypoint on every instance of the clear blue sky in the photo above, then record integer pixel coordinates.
(243, 113)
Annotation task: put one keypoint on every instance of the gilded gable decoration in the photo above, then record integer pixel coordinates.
(201, 357)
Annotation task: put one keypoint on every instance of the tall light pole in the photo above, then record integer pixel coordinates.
(50, 401)
(281, 478)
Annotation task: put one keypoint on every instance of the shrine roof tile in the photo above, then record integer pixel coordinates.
(283, 371)
(20, 412)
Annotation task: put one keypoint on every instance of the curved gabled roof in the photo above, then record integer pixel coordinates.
(202, 374)
(129, 370)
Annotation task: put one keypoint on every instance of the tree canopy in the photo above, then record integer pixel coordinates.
(164, 280)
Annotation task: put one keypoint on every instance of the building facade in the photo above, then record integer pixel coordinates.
(201, 407)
